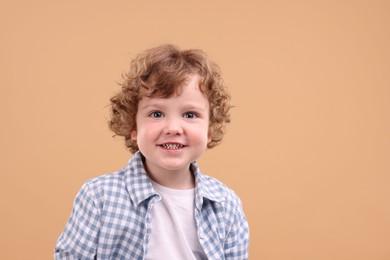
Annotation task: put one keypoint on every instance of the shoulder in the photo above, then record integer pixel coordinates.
(101, 188)
(117, 179)
(218, 191)
(106, 180)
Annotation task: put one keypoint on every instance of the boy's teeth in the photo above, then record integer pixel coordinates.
(172, 146)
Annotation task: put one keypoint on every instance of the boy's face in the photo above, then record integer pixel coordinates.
(173, 132)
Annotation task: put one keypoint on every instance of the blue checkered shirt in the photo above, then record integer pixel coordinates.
(111, 217)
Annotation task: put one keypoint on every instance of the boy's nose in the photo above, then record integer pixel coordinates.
(173, 127)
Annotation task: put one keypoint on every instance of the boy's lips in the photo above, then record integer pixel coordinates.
(172, 146)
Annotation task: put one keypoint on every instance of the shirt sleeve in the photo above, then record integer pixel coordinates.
(237, 243)
(80, 236)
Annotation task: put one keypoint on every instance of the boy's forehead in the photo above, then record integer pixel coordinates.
(156, 91)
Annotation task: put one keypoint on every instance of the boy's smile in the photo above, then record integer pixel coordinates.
(173, 132)
(172, 146)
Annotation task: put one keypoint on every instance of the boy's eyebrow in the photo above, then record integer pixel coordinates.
(151, 104)
(194, 106)
(159, 105)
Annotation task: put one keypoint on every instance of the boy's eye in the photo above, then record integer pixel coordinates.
(156, 114)
(190, 115)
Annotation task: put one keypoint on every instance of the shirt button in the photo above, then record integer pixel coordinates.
(201, 236)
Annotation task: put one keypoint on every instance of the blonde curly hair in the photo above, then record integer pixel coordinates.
(160, 72)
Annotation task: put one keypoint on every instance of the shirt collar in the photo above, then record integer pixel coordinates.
(140, 187)
(137, 180)
(204, 189)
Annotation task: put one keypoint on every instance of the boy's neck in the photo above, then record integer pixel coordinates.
(180, 179)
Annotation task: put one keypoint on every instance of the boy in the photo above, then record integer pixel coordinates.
(172, 106)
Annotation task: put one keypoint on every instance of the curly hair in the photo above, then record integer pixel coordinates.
(160, 73)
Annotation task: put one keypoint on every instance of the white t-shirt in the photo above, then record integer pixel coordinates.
(174, 232)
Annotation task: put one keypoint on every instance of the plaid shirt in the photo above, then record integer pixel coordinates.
(111, 217)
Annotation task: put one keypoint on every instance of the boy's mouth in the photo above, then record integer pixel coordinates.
(172, 146)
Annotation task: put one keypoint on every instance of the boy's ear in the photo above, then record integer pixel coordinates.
(133, 135)
(209, 138)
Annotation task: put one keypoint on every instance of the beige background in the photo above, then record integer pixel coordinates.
(307, 151)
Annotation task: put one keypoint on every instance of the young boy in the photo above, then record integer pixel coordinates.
(172, 107)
